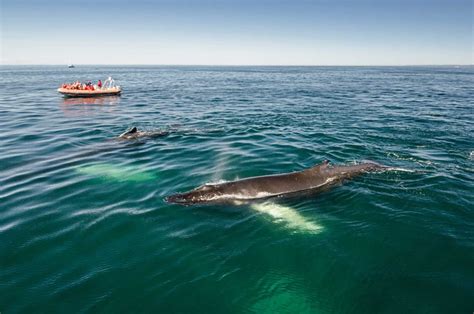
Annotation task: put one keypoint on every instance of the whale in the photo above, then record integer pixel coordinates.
(117, 173)
(133, 134)
(314, 179)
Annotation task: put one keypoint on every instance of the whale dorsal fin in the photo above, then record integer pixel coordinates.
(320, 166)
(128, 132)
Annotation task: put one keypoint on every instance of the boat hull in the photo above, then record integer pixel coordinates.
(89, 93)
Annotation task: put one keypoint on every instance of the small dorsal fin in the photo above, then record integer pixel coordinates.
(322, 165)
(128, 132)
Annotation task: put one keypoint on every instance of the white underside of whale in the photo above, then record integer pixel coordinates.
(288, 216)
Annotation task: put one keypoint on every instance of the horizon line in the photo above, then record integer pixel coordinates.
(241, 65)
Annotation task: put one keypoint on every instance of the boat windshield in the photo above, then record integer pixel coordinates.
(109, 83)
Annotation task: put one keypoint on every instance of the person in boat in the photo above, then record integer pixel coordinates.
(99, 84)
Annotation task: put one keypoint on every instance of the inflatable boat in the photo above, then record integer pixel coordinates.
(113, 91)
(81, 90)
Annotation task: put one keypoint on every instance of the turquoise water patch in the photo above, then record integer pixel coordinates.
(116, 173)
(283, 295)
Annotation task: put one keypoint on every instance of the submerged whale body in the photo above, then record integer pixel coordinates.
(116, 173)
(134, 133)
(310, 180)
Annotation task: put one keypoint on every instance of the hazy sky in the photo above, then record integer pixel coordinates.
(288, 32)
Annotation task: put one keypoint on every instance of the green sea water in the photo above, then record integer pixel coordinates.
(84, 227)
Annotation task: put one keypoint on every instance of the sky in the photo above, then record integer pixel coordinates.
(245, 32)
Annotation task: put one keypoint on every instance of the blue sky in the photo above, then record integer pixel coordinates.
(349, 32)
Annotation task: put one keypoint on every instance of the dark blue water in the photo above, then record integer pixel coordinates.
(84, 228)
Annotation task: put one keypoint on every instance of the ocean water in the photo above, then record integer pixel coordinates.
(84, 227)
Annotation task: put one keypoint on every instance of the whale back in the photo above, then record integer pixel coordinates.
(256, 187)
(319, 167)
(318, 177)
(347, 172)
